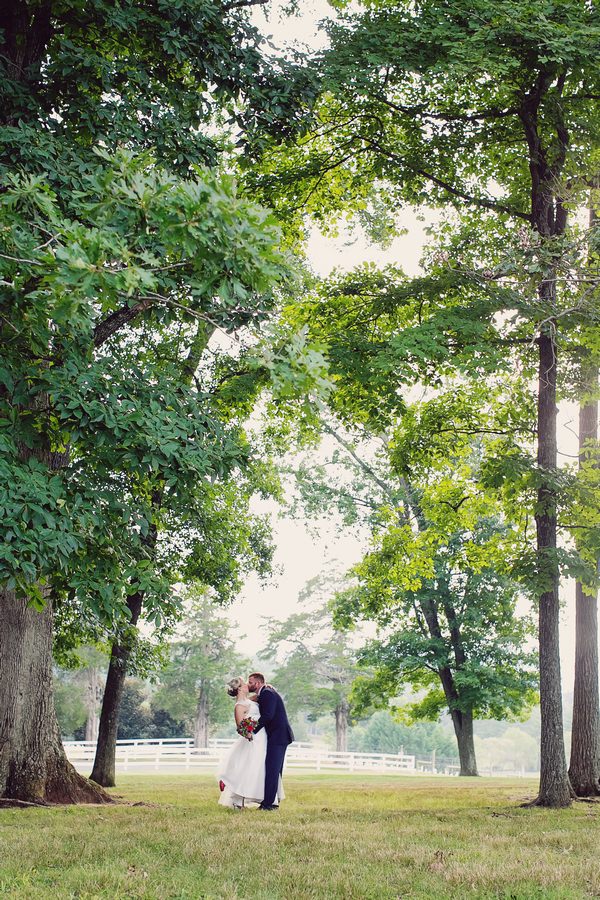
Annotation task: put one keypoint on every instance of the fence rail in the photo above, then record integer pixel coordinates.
(172, 754)
(180, 752)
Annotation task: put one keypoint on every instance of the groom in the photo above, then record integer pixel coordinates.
(273, 718)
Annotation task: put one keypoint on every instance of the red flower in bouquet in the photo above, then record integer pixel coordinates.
(246, 728)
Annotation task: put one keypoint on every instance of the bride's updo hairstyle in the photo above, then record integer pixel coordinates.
(234, 685)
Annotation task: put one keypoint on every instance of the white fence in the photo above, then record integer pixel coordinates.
(180, 753)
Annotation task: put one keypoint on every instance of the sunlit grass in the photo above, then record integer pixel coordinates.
(344, 836)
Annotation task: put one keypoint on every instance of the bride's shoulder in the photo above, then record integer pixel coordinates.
(244, 703)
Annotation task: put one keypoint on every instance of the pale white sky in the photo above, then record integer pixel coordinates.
(300, 555)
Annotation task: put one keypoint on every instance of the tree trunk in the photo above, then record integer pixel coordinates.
(463, 729)
(341, 725)
(584, 768)
(201, 720)
(25, 30)
(462, 721)
(549, 219)
(555, 790)
(33, 764)
(103, 771)
(91, 723)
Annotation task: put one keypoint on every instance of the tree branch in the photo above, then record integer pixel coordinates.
(241, 4)
(388, 491)
(446, 117)
(451, 189)
(116, 320)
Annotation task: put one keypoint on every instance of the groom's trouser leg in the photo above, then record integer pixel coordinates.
(273, 767)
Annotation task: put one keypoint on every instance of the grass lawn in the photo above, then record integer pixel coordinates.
(336, 836)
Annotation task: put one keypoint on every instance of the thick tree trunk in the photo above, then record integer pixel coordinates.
(463, 729)
(33, 764)
(584, 768)
(26, 30)
(555, 790)
(103, 771)
(201, 719)
(341, 725)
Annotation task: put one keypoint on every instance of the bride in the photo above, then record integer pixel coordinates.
(242, 771)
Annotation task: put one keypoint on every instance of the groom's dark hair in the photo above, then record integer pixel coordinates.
(258, 676)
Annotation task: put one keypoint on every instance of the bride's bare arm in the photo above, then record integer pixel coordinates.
(240, 711)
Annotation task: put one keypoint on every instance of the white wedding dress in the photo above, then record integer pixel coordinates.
(243, 768)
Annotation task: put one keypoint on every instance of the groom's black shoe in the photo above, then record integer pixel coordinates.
(267, 808)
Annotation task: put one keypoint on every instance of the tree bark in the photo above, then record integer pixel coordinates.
(26, 30)
(463, 729)
(201, 719)
(549, 219)
(555, 790)
(462, 721)
(341, 725)
(33, 764)
(103, 771)
(584, 767)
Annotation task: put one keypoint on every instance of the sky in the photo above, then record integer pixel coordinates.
(302, 551)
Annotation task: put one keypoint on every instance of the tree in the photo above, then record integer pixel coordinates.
(220, 540)
(78, 679)
(164, 725)
(69, 703)
(192, 687)
(92, 664)
(65, 514)
(513, 749)
(436, 579)
(316, 676)
(474, 108)
(384, 734)
(136, 720)
(116, 243)
(447, 615)
(584, 766)
(141, 718)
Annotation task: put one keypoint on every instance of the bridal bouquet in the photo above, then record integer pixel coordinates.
(246, 728)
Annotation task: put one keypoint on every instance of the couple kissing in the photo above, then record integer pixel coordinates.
(252, 770)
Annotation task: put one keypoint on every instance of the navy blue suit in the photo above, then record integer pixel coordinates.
(273, 718)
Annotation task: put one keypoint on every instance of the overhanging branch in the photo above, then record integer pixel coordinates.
(481, 202)
(116, 320)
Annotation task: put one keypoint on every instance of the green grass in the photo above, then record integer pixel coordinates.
(344, 836)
